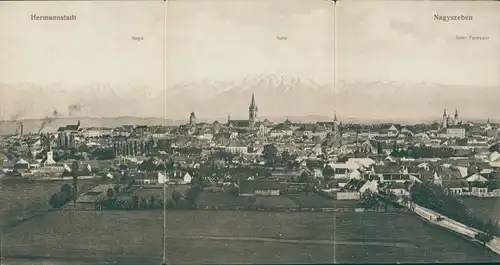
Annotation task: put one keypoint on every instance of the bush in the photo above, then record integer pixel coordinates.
(484, 238)
(192, 195)
(59, 199)
(66, 188)
(369, 200)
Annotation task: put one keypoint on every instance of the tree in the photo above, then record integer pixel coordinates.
(110, 193)
(176, 196)
(380, 150)
(193, 194)
(369, 200)
(251, 200)
(270, 153)
(153, 200)
(484, 238)
(391, 196)
(59, 199)
(304, 177)
(328, 172)
(66, 188)
(286, 156)
(148, 165)
(135, 201)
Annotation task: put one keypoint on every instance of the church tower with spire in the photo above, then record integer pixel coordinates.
(444, 120)
(456, 118)
(335, 123)
(253, 111)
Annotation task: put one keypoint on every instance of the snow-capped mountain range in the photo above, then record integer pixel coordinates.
(27, 100)
(277, 96)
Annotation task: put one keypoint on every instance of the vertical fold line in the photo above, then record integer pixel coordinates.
(165, 54)
(165, 78)
(335, 111)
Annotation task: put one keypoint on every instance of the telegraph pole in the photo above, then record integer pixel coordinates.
(164, 262)
(74, 168)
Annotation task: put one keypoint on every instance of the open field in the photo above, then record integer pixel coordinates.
(318, 201)
(487, 208)
(221, 199)
(224, 199)
(219, 237)
(19, 200)
(157, 190)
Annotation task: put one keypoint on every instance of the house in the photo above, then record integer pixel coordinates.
(371, 185)
(237, 148)
(187, 178)
(395, 177)
(454, 187)
(281, 130)
(343, 170)
(361, 162)
(476, 178)
(400, 189)
(150, 178)
(21, 164)
(179, 177)
(456, 131)
(259, 187)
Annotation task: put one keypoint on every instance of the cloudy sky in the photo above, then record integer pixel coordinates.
(230, 40)
(96, 48)
(401, 41)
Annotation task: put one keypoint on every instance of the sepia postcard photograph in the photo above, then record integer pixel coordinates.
(243, 91)
(417, 88)
(81, 85)
(249, 132)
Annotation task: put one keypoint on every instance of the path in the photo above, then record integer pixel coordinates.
(453, 225)
(299, 241)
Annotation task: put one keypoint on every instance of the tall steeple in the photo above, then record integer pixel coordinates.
(456, 120)
(252, 104)
(444, 120)
(252, 111)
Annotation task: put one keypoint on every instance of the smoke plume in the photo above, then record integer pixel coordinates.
(74, 108)
(48, 120)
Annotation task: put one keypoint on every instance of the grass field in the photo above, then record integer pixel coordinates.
(487, 208)
(157, 190)
(224, 199)
(18, 200)
(322, 202)
(196, 237)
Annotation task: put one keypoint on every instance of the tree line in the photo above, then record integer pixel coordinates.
(175, 201)
(433, 197)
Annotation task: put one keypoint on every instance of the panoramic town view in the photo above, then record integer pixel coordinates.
(254, 191)
(283, 138)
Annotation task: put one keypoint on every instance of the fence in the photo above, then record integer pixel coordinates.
(296, 209)
(491, 194)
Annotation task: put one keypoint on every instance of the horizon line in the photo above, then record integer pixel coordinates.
(206, 119)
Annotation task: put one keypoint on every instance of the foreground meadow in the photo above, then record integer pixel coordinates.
(20, 200)
(196, 237)
(486, 208)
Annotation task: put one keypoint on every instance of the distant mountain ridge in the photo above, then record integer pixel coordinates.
(276, 96)
(32, 125)
(26, 100)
